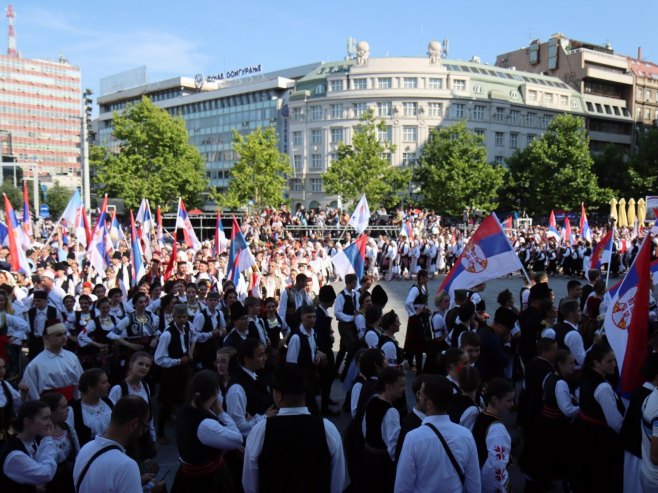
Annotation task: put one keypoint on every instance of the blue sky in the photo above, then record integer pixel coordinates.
(188, 37)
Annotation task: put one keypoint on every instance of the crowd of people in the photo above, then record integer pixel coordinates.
(95, 368)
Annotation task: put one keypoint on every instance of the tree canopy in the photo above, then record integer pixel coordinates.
(454, 173)
(261, 172)
(362, 167)
(57, 198)
(555, 170)
(155, 159)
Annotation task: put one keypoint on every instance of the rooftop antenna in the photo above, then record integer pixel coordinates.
(445, 45)
(351, 48)
(11, 45)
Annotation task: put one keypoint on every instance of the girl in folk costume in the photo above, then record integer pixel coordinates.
(387, 343)
(492, 439)
(450, 363)
(26, 462)
(381, 428)
(365, 300)
(66, 441)
(225, 362)
(598, 455)
(193, 304)
(230, 297)
(543, 458)
(13, 331)
(78, 321)
(134, 384)
(93, 340)
(203, 432)
(10, 400)
(275, 326)
(415, 343)
(91, 413)
(439, 331)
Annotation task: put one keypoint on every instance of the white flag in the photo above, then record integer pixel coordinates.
(361, 216)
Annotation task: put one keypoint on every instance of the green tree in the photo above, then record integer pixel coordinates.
(556, 170)
(363, 168)
(615, 170)
(644, 166)
(14, 194)
(155, 159)
(454, 173)
(57, 198)
(260, 174)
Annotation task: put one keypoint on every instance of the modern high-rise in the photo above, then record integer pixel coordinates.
(597, 72)
(40, 113)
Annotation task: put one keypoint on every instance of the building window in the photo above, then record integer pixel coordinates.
(514, 116)
(336, 111)
(500, 139)
(316, 161)
(297, 162)
(499, 115)
(360, 109)
(316, 184)
(297, 114)
(385, 135)
(336, 85)
(384, 109)
(546, 120)
(647, 95)
(296, 138)
(435, 109)
(436, 84)
(459, 85)
(532, 95)
(478, 112)
(409, 134)
(408, 158)
(458, 110)
(482, 135)
(548, 98)
(316, 137)
(531, 138)
(410, 109)
(639, 114)
(514, 141)
(316, 113)
(499, 160)
(531, 119)
(384, 83)
(297, 185)
(360, 84)
(410, 83)
(333, 157)
(387, 156)
(647, 114)
(336, 135)
(564, 100)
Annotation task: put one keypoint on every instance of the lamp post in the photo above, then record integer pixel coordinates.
(84, 142)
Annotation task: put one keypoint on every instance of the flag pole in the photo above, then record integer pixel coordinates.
(607, 274)
(527, 277)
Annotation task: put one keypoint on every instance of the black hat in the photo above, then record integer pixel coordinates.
(237, 311)
(379, 296)
(288, 378)
(61, 266)
(116, 255)
(506, 317)
(466, 311)
(40, 295)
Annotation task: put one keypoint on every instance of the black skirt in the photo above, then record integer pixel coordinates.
(219, 482)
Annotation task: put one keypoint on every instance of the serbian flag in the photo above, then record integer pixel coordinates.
(487, 255)
(552, 227)
(145, 219)
(240, 257)
(407, 230)
(654, 228)
(27, 217)
(509, 223)
(13, 239)
(159, 230)
(221, 244)
(115, 230)
(654, 271)
(100, 246)
(603, 251)
(627, 320)
(172, 262)
(361, 216)
(351, 260)
(137, 270)
(568, 238)
(585, 232)
(183, 222)
(82, 229)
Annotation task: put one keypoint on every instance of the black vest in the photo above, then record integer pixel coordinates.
(190, 448)
(12, 444)
(51, 313)
(175, 349)
(480, 430)
(82, 430)
(561, 331)
(295, 456)
(458, 406)
(305, 358)
(349, 307)
(589, 406)
(383, 339)
(207, 319)
(259, 398)
(7, 412)
(136, 330)
(377, 333)
(375, 411)
(421, 299)
(631, 434)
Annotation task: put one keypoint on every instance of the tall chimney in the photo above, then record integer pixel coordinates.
(639, 53)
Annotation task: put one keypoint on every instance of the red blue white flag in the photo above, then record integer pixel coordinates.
(487, 255)
(221, 244)
(27, 217)
(603, 251)
(100, 246)
(137, 270)
(361, 216)
(183, 222)
(627, 320)
(585, 232)
(13, 240)
(407, 230)
(351, 260)
(509, 223)
(240, 257)
(552, 227)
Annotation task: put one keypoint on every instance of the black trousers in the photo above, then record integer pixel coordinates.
(326, 374)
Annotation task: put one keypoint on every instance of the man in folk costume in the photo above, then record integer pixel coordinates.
(418, 311)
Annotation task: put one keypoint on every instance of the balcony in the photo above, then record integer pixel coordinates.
(602, 74)
(609, 137)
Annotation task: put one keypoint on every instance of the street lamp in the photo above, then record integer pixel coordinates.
(85, 137)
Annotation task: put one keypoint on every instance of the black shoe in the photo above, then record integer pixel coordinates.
(329, 412)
